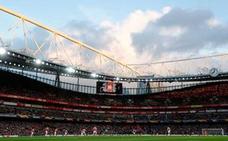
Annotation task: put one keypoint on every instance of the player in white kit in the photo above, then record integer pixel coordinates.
(168, 131)
(66, 132)
(55, 132)
(32, 132)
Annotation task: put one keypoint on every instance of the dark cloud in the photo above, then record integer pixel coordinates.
(197, 33)
(182, 17)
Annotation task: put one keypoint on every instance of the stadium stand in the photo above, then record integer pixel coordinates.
(27, 104)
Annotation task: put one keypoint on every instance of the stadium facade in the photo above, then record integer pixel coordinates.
(32, 102)
(36, 99)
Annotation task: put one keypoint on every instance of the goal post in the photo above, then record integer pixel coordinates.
(212, 131)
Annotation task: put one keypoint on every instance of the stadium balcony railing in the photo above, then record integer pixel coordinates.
(92, 89)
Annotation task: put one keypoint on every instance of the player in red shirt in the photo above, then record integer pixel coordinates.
(83, 132)
(46, 131)
(94, 130)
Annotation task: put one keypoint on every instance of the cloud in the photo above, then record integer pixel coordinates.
(182, 31)
(213, 22)
(114, 39)
(150, 35)
(145, 36)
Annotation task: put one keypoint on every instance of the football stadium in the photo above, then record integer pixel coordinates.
(156, 76)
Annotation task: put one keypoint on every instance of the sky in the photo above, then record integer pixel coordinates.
(57, 13)
(98, 10)
(134, 31)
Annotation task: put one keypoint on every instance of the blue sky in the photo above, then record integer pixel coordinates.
(58, 12)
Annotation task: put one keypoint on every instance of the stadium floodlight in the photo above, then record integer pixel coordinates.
(2, 51)
(38, 61)
(94, 75)
(70, 70)
(117, 78)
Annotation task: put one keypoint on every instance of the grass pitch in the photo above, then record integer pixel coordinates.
(120, 138)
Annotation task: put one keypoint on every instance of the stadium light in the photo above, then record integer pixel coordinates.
(38, 61)
(2, 51)
(94, 75)
(117, 78)
(70, 70)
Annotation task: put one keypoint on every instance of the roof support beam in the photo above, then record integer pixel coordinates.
(67, 37)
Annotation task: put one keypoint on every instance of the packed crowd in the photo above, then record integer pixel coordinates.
(24, 121)
(100, 117)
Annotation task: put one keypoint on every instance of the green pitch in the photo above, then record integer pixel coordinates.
(120, 138)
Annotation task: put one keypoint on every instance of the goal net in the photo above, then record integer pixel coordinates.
(212, 131)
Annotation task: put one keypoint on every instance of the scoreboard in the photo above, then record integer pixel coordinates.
(109, 87)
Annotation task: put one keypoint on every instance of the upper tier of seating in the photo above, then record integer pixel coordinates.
(211, 93)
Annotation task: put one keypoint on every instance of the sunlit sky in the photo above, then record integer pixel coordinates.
(56, 13)
(135, 31)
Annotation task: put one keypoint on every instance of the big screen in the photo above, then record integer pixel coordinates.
(109, 87)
